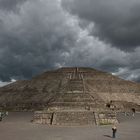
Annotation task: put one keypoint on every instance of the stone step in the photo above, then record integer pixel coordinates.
(77, 97)
(65, 99)
(72, 92)
(75, 93)
(66, 108)
(75, 90)
(76, 81)
(79, 88)
(73, 104)
(74, 118)
(75, 86)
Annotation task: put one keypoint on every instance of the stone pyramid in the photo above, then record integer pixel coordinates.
(75, 94)
(70, 88)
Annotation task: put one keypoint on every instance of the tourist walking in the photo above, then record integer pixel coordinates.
(114, 130)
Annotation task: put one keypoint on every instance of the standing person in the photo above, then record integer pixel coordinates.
(6, 113)
(0, 116)
(133, 112)
(114, 130)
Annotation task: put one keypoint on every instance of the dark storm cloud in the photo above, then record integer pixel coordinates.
(43, 35)
(33, 40)
(117, 22)
(10, 4)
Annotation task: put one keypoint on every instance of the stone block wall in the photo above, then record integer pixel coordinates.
(43, 117)
(65, 118)
(106, 118)
(72, 118)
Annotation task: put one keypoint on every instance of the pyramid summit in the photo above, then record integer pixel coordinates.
(70, 88)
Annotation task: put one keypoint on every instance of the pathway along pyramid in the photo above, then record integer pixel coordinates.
(71, 90)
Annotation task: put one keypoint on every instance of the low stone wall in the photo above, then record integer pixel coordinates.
(65, 118)
(106, 118)
(74, 118)
(43, 117)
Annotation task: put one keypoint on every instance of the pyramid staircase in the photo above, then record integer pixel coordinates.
(73, 105)
(75, 96)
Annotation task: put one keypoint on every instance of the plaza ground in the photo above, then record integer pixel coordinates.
(17, 126)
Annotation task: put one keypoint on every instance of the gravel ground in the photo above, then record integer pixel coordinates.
(17, 126)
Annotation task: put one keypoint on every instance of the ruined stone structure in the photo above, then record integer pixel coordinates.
(72, 96)
(75, 117)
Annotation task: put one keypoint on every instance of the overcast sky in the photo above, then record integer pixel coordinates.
(39, 35)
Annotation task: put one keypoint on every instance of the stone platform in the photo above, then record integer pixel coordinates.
(76, 117)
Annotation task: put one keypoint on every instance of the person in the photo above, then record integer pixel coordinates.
(6, 113)
(133, 112)
(114, 130)
(0, 116)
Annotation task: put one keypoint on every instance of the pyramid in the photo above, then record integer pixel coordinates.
(67, 87)
(73, 91)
